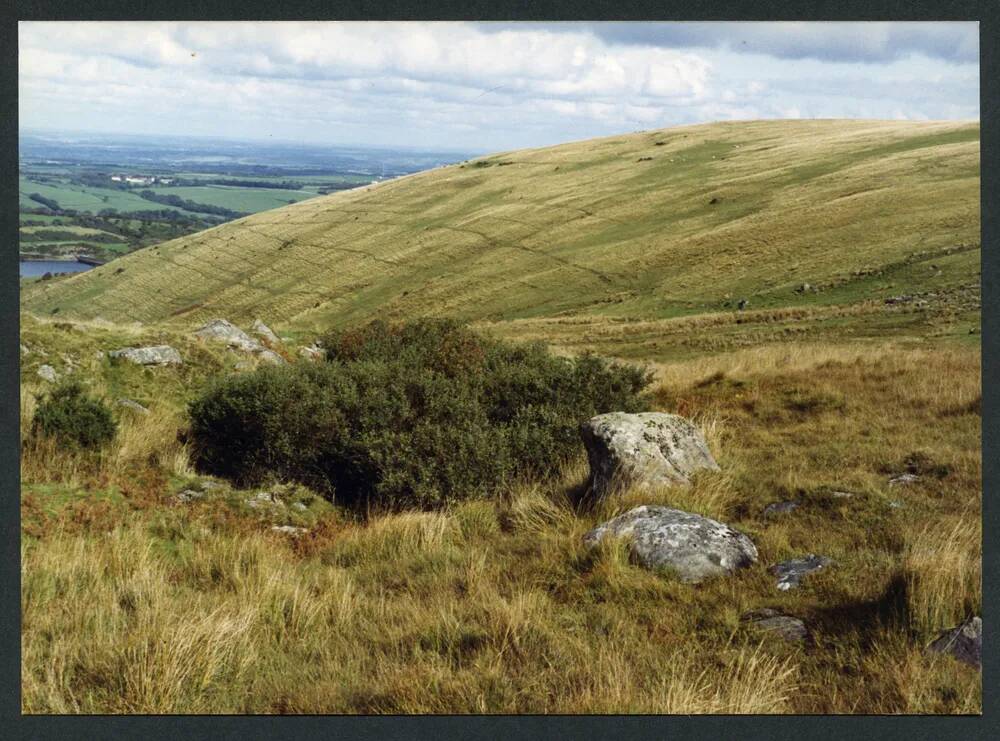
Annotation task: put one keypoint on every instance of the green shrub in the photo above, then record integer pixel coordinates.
(68, 414)
(417, 414)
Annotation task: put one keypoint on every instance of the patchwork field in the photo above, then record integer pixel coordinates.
(247, 200)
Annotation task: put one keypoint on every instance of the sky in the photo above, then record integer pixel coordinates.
(482, 86)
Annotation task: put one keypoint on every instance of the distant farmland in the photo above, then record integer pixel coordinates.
(248, 200)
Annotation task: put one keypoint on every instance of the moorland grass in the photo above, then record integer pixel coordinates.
(496, 606)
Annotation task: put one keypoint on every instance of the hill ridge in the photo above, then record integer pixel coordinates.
(649, 225)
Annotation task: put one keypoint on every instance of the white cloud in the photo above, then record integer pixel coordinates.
(466, 85)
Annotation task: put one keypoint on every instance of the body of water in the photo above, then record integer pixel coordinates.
(34, 268)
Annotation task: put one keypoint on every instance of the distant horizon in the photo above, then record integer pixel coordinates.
(81, 133)
(222, 138)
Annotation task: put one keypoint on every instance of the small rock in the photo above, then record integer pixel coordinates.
(642, 450)
(694, 546)
(904, 479)
(790, 572)
(841, 494)
(188, 495)
(780, 508)
(299, 506)
(311, 353)
(787, 627)
(209, 485)
(896, 505)
(156, 355)
(25, 351)
(133, 405)
(264, 499)
(289, 530)
(269, 356)
(47, 373)
(964, 642)
(262, 330)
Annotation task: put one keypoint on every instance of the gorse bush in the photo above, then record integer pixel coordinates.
(418, 414)
(72, 417)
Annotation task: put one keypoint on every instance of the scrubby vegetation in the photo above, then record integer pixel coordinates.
(418, 414)
(72, 417)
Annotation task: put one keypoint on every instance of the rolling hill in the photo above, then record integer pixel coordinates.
(653, 227)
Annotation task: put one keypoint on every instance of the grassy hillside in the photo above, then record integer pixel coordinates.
(650, 226)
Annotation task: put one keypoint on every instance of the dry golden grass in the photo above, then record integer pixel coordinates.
(944, 565)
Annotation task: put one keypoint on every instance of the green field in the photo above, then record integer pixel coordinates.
(85, 198)
(246, 200)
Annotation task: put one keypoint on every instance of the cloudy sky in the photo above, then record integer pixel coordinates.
(482, 86)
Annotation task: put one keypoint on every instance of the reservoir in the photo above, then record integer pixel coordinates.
(35, 268)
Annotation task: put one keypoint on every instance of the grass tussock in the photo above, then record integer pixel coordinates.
(944, 564)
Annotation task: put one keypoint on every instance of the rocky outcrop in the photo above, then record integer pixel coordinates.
(791, 572)
(220, 330)
(964, 642)
(155, 355)
(47, 373)
(262, 330)
(643, 450)
(693, 546)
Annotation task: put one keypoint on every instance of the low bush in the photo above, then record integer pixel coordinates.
(74, 418)
(418, 414)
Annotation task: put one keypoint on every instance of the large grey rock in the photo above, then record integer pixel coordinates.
(645, 449)
(790, 572)
(47, 373)
(262, 330)
(694, 546)
(155, 355)
(964, 642)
